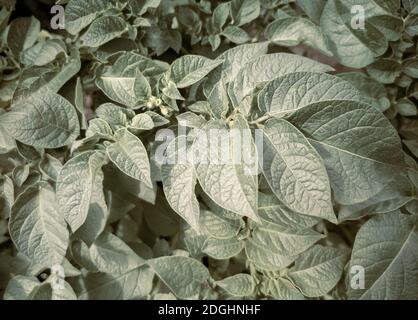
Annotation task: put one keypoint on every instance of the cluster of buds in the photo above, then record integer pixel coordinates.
(154, 102)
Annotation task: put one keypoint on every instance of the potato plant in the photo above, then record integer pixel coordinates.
(111, 112)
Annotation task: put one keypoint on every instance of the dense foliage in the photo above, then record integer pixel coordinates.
(329, 211)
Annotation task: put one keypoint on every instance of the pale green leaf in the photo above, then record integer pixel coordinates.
(189, 69)
(44, 52)
(294, 31)
(282, 289)
(299, 89)
(22, 34)
(385, 70)
(133, 284)
(266, 68)
(236, 34)
(75, 186)
(125, 82)
(219, 225)
(294, 170)
(272, 211)
(222, 249)
(179, 180)
(184, 276)
(264, 258)
(37, 226)
(244, 11)
(318, 270)
(240, 285)
(386, 247)
(130, 156)
(20, 287)
(107, 254)
(103, 30)
(230, 183)
(6, 196)
(285, 243)
(45, 121)
(359, 146)
(79, 13)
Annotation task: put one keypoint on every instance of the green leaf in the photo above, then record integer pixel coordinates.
(287, 243)
(297, 90)
(386, 247)
(294, 170)
(107, 254)
(20, 287)
(244, 11)
(50, 167)
(392, 197)
(190, 119)
(218, 225)
(20, 175)
(410, 5)
(412, 145)
(410, 67)
(222, 249)
(79, 13)
(236, 34)
(97, 215)
(139, 7)
(179, 180)
(218, 101)
(22, 34)
(99, 128)
(318, 270)
(385, 70)
(46, 291)
(37, 227)
(189, 69)
(130, 156)
(272, 66)
(264, 258)
(411, 24)
(240, 285)
(75, 186)
(355, 47)
(312, 9)
(158, 120)
(230, 183)
(356, 142)
(79, 104)
(103, 30)
(124, 82)
(214, 41)
(44, 52)
(189, 19)
(54, 79)
(141, 122)
(7, 143)
(282, 289)
(45, 121)
(117, 117)
(6, 196)
(372, 91)
(406, 107)
(272, 211)
(233, 60)
(294, 31)
(220, 15)
(162, 40)
(133, 284)
(184, 276)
